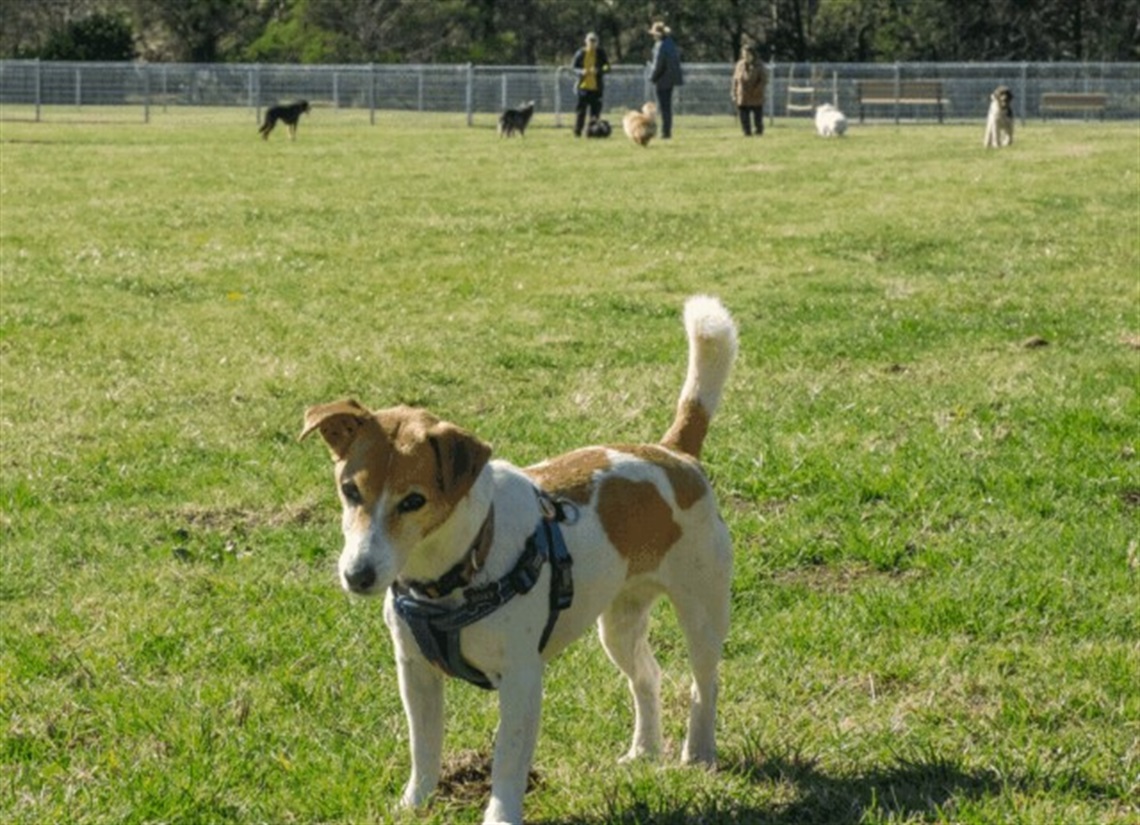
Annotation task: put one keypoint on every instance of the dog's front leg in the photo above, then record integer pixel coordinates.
(520, 707)
(421, 690)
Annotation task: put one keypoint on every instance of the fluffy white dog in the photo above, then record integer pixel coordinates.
(829, 121)
(999, 122)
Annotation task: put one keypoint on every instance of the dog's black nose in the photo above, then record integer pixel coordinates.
(360, 581)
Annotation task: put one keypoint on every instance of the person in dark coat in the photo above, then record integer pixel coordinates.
(665, 74)
(591, 66)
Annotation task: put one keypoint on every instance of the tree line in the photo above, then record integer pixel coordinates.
(536, 32)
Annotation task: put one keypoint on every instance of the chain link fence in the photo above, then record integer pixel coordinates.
(62, 91)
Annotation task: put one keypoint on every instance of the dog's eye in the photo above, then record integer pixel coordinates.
(411, 502)
(351, 493)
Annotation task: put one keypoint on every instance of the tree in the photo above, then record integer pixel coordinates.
(532, 32)
(202, 31)
(27, 25)
(97, 37)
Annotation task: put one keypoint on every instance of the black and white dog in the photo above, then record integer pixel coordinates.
(999, 122)
(516, 120)
(598, 128)
(289, 115)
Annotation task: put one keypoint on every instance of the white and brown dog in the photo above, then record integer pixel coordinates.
(999, 122)
(489, 570)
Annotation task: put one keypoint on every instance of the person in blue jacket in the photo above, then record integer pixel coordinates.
(665, 74)
(590, 65)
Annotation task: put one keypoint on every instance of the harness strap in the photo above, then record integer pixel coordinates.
(436, 628)
(561, 577)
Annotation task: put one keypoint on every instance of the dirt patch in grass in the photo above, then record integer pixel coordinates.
(230, 519)
(840, 578)
(467, 777)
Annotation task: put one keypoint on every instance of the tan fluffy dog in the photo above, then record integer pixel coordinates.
(641, 126)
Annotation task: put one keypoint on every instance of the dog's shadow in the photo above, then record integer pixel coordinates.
(906, 789)
(804, 794)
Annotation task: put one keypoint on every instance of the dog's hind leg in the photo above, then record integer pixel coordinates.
(624, 629)
(703, 613)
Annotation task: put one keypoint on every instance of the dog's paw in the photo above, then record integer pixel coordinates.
(414, 798)
(704, 756)
(640, 754)
(497, 814)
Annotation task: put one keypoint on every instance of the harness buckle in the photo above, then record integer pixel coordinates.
(560, 510)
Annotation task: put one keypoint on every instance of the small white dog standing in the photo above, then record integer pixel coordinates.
(489, 570)
(829, 121)
(999, 122)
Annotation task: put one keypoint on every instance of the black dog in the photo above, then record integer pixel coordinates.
(288, 114)
(515, 120)
(598, 129)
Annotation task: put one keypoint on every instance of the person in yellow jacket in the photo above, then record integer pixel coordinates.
(749, 83)
(591, 66)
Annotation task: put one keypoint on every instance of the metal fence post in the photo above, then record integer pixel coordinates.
(372, 94)
(470, 104)
(558, 97)
(252, 98)
(1023, 90)
(898, 89)
(38, 87)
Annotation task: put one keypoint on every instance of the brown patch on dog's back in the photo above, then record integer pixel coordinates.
(572, 475)
(638, 522)
(685, 477)
(575, 475)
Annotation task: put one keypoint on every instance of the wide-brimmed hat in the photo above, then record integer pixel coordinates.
(659, 29)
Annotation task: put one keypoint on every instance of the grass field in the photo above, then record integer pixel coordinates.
(927, 457)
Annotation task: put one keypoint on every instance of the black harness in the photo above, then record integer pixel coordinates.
(436, 627)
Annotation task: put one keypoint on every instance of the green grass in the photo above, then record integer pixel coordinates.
(936, 600)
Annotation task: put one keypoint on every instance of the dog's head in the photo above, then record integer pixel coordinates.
(303, 105)
(402, 475)
(649, 109)
(1003, 96)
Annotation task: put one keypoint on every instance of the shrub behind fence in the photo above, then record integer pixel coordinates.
(43, 90)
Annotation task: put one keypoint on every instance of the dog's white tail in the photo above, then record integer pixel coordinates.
(712, 349)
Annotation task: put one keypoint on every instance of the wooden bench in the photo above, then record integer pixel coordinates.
(899, 93)
(1073, 102)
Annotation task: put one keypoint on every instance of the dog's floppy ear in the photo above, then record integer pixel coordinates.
(460, 457)
(339, 422)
